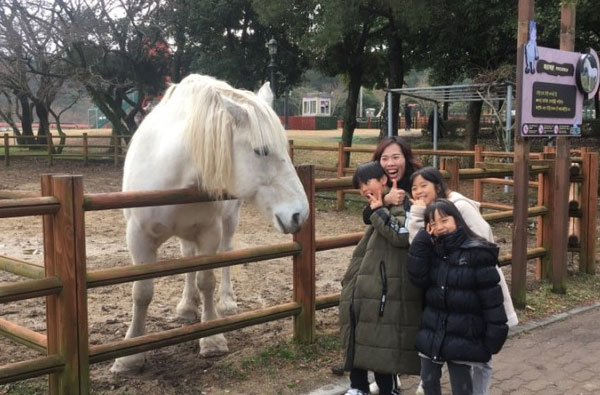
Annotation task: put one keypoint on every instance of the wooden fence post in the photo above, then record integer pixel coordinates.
(51, 322)
(452, 166)
(85, 149)
(340, 173)
(544, 271)
(67, 312)
(589, 218)
(50, 149)
(6, 151)
(560, 219)
(304, 263)
(478, 184)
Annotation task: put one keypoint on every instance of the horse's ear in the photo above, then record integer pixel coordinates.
(239, 113)
(266, 94)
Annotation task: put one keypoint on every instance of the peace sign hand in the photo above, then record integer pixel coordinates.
(375, 200)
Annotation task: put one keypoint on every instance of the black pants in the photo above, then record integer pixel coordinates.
(386, 382)
(460, 377)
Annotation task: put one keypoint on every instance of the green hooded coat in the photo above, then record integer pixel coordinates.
(380, 309)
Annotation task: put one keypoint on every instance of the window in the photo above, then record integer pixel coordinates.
(324, 110)
(318, 106)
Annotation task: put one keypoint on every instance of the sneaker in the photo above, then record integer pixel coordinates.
(374, 389)
(354, 391)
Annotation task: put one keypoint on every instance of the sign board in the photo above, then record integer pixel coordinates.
(555, 83)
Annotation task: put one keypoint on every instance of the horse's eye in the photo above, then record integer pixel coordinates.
(261, 151)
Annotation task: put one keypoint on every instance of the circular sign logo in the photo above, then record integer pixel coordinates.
(586, 73)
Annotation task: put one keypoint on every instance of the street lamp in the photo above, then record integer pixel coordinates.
(272, 46)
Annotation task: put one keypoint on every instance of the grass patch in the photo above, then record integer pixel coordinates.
(582, 289)
(288, 355)
(28, 387)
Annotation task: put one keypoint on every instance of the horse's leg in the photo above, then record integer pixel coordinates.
(143, 250)
(216, 344)
(227, 304)
(208, 242)
(187, 308)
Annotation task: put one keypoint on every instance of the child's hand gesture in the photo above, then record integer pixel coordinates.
(429, 229)
(375, 199)
(395, 196)
(419, 202)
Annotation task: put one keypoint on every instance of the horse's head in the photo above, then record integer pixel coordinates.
(239, 146)
(261, 167)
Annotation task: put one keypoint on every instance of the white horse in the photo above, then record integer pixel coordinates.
(208, 135)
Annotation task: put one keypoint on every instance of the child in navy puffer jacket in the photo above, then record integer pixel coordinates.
(464, 318)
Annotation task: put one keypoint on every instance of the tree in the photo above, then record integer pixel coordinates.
(32, 64)
(119, 59)
(401, 29)
(478, 38)
(228, 41)
(340, 37)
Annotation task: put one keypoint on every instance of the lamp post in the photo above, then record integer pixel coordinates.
(272, 47)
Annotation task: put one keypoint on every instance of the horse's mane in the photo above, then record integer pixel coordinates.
(198, 102)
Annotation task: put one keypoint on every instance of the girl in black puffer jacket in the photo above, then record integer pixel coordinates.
(464, 318)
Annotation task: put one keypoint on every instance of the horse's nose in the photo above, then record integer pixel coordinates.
(296, 219)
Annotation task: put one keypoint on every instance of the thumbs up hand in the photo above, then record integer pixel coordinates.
(395, 196)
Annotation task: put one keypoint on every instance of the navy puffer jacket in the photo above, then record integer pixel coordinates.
(464, 317)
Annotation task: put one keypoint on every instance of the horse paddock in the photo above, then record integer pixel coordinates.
(177, 369)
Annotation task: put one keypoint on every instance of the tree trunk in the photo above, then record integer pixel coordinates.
(44, 124)
(350, 110)
(473, 117)
(597, 106)
(445, 111)
(26, 119)
(396, 73)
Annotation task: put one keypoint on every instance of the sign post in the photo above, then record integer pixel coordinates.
(521, 172)
(552, 87)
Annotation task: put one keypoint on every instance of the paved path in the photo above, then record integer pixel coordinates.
(556, 356)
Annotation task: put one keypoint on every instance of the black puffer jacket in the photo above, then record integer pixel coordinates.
(464, 318)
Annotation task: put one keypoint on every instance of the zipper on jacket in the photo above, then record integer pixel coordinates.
(383, 287)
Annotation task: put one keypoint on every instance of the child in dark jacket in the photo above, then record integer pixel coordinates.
(464, 318)
(380, 309)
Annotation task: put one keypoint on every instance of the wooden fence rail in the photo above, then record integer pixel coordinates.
(65, 279)
(114, 150)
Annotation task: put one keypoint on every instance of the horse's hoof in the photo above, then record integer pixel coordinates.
(227, 307)
(187, 312)
(129, 364)
(213, 346)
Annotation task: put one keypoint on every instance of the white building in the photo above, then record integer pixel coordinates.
(316, 104)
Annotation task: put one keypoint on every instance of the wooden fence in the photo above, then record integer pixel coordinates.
(84, 150)
(64, 279)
